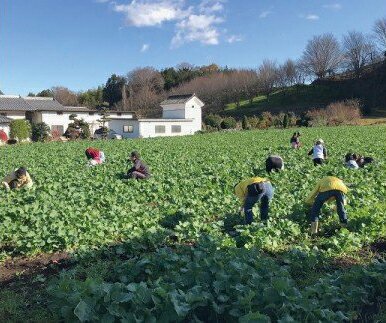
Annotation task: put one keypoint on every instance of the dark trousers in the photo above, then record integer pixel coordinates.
(323, 197)
(318, 161)
(265, 196)
(137, 175)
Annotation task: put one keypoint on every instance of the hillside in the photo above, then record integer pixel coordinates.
(370, 89)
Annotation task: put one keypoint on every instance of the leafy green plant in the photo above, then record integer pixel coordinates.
(20, 129)
(40, 132)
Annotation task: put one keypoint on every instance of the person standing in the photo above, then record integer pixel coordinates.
(327, 189)
(318, 152)
(252, 190)
(295, 140)
(139, 170)
(17, 179)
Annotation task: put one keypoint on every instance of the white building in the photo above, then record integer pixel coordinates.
(181, 116)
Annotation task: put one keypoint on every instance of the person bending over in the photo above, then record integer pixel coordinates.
(295, 140)
(17, 179)
(327, 189)
(252, 190)
(139, 170)
(318, 152)
(351, 161)
(94, 156)
(274, 163)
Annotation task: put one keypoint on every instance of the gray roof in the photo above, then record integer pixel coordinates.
(4, 119)
(177, 99)
(43, 104)
(17, 103)
(14, 103)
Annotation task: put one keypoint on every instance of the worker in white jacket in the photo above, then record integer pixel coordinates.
(318, 152)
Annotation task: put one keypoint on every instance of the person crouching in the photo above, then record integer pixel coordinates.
(94, 156)
(252, 190)
(17, 179)
(139, 170)
(318, 152)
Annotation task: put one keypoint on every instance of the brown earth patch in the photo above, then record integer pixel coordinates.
(24, 267)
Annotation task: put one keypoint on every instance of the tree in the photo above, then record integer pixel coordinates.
(244, 123)
(20, 129)
(286, 121)
(46, 93)
(358, 51)
(1, 92)
(31, 94)
(64, 96)
(268, 77)
(77, 129)
(105, 118)
(92, 98)
(112, 91)
(40, 132)
(380, 32)
(322, 56)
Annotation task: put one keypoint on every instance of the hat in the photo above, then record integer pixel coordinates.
(320, 140)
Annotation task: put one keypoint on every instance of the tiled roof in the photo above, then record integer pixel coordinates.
(4, 119)
(45, 104)
(14, 103)
(17, 103)
(177, 99)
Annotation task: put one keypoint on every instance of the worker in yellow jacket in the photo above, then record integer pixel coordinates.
(328, 188)
(252, 190)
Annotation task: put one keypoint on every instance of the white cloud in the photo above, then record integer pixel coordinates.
(265, 14)
(312, 17)
(150, 13)
(234, 38)
(193, 23)
(333, 6)
(144, 48)
(199, 28)
(210, 6)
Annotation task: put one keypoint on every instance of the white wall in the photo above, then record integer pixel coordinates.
(147, 128)
(16, 115)
(117, 126)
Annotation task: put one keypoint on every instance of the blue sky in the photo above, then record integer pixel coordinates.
(80, 43)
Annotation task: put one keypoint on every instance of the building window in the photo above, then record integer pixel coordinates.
(128, 129)
(91, 113)
(59, 112)
(3, 114)
(176, 129)
(119, 114)
(160, 129)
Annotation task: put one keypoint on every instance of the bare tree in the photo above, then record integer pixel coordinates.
(64, 96)
(144, 90)
(380, 32)
(322, 56)
(358, 51)
(268, 77)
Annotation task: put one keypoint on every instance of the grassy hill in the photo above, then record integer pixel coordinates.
(370, 89)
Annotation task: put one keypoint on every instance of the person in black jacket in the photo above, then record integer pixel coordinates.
(274, 163)
(139, 170)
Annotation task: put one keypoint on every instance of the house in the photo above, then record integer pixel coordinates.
(51, 112)
(181, 115)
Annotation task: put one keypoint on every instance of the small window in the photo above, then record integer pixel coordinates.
(192, 106)
(160, 129)
(128, 129)
(91, 113)
(59, 112)
(3, 114)
(119, 114)
(176, 129)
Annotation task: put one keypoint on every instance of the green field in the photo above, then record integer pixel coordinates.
(173, 248)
